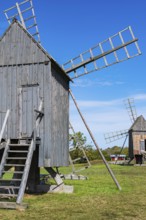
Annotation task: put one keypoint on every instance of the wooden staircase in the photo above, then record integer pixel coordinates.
(16, 161)
(15, 158)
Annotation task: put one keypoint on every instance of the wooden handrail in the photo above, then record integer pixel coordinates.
(4, 124)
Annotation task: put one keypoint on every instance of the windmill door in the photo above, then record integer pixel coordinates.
(28, 101)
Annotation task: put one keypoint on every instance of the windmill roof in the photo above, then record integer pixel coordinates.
(37, 44)
(139, 124)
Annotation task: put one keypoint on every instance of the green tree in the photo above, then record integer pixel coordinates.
(91, 153)
(76, 140)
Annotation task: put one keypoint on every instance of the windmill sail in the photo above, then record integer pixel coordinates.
(130, 106)
(114, 136)
(79, 144)
(24, 12)
(115, 49)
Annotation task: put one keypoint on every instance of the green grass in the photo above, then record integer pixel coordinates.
(94, 199)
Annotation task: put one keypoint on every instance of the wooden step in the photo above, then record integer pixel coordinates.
(14, 165)
(18, 172)
(18, 151)
(10, 180)
(9, 187)
(13, 205)
(16, 158)
(19, 145)
(3, 196)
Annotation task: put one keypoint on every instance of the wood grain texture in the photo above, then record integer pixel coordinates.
(25, 78)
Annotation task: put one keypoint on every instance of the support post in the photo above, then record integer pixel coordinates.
(4, 124)
(55, 176)
(123, 144)
(32, 148)
(91, 135)
(34, 173)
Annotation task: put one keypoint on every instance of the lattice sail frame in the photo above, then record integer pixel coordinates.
(115, 49)
(24, 12)
(130, 106)
(114, 136)
(80, 146)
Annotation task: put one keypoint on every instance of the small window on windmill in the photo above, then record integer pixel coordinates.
(145, 144)
(142, 145)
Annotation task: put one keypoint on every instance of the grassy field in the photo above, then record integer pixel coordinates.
(94, 199)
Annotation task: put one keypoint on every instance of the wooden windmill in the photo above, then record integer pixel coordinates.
(35, 92)
(136, 134)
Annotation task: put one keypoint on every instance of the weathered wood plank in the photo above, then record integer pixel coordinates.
(42, 124)
(20, 48)
(13, 205)
(17, 47)
(47, 114)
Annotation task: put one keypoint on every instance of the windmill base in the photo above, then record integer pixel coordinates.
(34, 185)
(54, 189)
(142, 165)
(74, 177)
(13, 205)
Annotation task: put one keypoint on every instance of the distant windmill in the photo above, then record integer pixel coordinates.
(34, 84)
(136, 134)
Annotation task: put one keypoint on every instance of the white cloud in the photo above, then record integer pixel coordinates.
(114, 102)
(91, 104)
(140, 97)
(104, 116)
(96, 82)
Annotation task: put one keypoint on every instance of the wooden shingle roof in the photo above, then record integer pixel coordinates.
(139, 124)
(14, 41)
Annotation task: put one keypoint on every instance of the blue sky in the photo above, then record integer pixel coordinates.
(69, 27)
